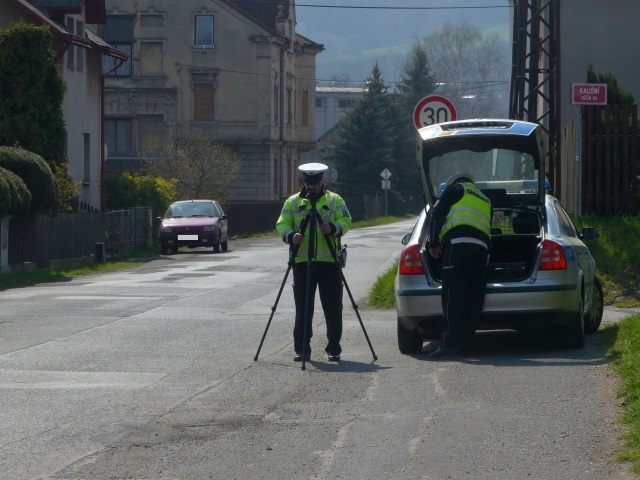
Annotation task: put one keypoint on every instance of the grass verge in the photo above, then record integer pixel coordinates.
(625, 357)
(128, 258)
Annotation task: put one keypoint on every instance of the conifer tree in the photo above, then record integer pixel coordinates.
(364, 145)
(417, 81)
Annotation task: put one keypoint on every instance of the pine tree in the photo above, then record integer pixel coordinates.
(364, 145)
(418, 81)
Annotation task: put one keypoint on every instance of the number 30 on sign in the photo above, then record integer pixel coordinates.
(433, 109)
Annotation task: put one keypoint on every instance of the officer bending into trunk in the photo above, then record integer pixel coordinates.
(460, 234)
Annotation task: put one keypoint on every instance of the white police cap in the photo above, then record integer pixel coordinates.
(313, 168)
(312, 172)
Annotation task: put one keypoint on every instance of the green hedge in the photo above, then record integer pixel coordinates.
(36, 175)
(14, 194)
(126, 190)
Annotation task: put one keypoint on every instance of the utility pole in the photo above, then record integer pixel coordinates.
(535, 72)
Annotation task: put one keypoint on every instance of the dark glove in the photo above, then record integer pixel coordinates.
(333, 229)
(290, 238)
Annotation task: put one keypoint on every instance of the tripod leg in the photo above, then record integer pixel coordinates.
(273, 310)
(355, 307)
(346, 285)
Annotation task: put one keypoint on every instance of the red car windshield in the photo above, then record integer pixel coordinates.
(192, 209)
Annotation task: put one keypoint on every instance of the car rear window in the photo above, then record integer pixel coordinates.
(505, 172)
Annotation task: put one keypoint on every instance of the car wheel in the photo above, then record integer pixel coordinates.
(225, 245)
(593, 319)
(216, 247)
(408, 341)
(573, 334)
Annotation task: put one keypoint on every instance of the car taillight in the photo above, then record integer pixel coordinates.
(553, 257)
(410, 262)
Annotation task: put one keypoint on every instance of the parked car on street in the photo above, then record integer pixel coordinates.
(194, 223)
(541, 275)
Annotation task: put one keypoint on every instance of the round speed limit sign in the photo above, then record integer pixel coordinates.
(433, 109)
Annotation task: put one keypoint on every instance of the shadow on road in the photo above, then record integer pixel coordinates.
(509, 348)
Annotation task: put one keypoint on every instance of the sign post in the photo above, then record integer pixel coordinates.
(433, 109)
(386, 185)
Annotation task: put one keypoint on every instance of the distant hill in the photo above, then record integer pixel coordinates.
(355, 39)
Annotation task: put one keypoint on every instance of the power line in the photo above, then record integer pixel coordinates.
(358, 82)
(369, 7)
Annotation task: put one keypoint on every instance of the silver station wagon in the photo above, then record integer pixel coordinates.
(540, 273)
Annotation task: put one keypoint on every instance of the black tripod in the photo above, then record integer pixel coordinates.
(312, 218)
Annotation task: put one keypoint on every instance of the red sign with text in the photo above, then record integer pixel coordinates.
(589, 93)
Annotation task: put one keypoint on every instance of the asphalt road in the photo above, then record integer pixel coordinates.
(149, 373)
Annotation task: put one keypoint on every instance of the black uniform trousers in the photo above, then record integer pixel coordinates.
(464, 279)
(326, 276)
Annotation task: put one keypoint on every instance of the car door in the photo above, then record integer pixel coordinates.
(575, 248)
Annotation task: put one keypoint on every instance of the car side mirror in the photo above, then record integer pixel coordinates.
(224, 217)
(405, 239)
(589, 233)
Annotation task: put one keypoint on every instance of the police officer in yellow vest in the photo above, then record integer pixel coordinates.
(326, 274)
(460, 234)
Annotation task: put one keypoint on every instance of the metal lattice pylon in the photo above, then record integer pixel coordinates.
(535, 72)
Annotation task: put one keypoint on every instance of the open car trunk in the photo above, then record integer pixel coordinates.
(515, 237)
(505, 159)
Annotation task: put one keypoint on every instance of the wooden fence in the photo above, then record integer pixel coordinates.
(41, 239)
(599, 170)
(246, 218)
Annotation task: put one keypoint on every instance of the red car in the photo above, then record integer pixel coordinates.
(193, 223)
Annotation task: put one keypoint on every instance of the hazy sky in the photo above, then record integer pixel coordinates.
(356, 39)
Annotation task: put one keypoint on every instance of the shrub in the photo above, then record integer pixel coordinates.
(14, 194)
(37, 176)
(125, 190)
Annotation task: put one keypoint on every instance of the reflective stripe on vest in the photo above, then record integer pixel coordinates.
(473, 209)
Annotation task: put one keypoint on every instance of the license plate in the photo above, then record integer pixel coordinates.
(187, 237)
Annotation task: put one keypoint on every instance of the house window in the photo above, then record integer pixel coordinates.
(118, 135)
(305, 108)
(289, 106)
(151, 58)
(118, 32)
(203, 100)
(319, 103)
(204, 31)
